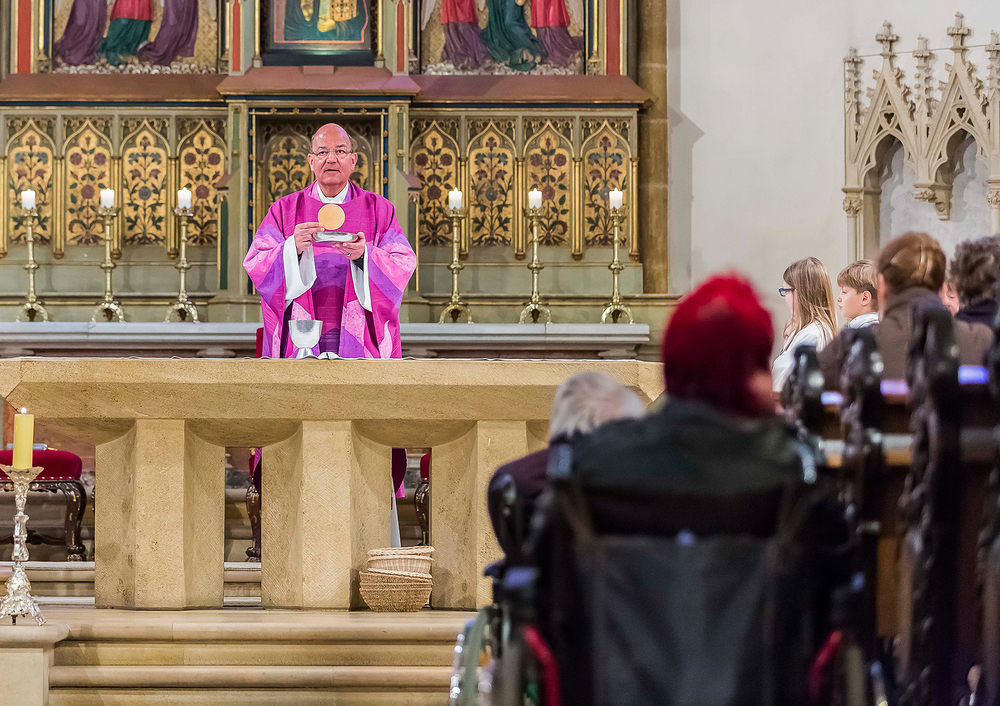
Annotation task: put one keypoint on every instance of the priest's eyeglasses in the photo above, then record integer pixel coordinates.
(340, 154)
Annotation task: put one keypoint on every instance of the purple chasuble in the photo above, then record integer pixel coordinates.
(348, 328)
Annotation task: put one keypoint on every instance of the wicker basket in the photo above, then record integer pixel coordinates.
(403, 575)
(415, 563)
(394, 593)
(401, 551)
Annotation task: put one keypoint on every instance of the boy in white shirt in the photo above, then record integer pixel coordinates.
(858, 298)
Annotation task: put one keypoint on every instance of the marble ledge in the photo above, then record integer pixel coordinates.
(237, 339)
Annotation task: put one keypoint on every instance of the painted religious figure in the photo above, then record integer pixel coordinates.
(320, 26)
(129, 29)
(509, 38)
(84, 30)
(355, 288)
(463, 41)
(177, 34)
(550, 19)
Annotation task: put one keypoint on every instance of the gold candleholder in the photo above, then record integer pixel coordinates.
(535, 312)
(182, 306)
(32, 308)
(457, 307)
(18, 601)
(616, 309)
(109, 309)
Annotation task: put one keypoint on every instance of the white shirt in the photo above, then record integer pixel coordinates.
(813, 335)
(300, 273)
(864, 320)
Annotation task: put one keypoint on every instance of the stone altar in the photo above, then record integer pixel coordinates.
(327, 428)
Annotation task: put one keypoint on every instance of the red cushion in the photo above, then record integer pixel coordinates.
(260, 342)
(57, 465)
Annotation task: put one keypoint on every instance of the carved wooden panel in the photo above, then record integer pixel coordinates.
(144, 173)
(434, 159)
(202, 163)
(548, 161)
(30, 165)
(491, 168)
(605, 167)
(88, 170)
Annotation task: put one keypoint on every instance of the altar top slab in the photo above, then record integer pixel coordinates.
(247, 401)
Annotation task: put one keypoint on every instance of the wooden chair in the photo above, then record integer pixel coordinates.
(61, 474)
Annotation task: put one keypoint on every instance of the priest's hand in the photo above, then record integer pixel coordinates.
(303, 235)
(353, 250)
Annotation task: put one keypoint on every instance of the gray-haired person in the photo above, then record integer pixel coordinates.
(582, 403)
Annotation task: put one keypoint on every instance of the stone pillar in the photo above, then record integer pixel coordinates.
(26, 656)
(653, 146)
(460, 524)
(160, 520)
(325, 499)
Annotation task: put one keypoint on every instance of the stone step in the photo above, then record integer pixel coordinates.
(200, 677)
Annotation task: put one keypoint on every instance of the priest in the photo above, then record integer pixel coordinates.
(355, 287)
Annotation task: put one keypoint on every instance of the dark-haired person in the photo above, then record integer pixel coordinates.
(911, 272)
(975, 270)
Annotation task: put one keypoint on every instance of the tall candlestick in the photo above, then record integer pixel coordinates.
(108, 309)
(456, 307)
(535, 311)
(184, 199)
(182, 306)
(616, 309)
(455, 200)
(24, 439)
(107, 198)
(32, 308)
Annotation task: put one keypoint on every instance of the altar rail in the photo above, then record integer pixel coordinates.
(327, 428)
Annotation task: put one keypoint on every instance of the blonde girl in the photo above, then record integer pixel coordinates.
(809, 295)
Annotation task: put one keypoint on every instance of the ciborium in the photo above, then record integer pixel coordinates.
(305, 335)
(18, 601)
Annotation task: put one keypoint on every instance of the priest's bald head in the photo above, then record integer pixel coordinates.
(332, 158)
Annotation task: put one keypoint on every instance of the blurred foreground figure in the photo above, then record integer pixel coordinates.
(582, 403)
(687, 558)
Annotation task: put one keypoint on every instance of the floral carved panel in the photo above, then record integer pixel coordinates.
(434, 159)
(491, 169)
(88, 170)
(30, 166)
(605, 167)
(285, 165)
(144, 172)
(202, 163)
(548, 160)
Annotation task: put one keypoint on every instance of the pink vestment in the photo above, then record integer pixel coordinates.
(349, 330)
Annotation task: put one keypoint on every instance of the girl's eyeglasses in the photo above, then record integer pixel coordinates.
(785, 291)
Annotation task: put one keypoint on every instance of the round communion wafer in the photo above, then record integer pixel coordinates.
(331, 216)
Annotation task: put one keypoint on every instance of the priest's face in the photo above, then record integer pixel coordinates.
(332, 159)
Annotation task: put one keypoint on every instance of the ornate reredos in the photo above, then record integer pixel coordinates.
(927, 120)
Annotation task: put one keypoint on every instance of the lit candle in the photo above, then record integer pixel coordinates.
(534, 199)
(184, 198)
(455, 199)
(24, 432)
(615, 198)
(27, 199)
(108, 198)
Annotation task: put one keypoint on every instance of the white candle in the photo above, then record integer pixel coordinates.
(27, 199)
(455, 199)
(615, 198)
(108, 198)
(534, 199)
(184, 198)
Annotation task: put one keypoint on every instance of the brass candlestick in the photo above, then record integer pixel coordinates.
(18, 601)
(108, 308)
(457, 307)
(535, 312)
(616, 308)
(32, 308)
(182, 306)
